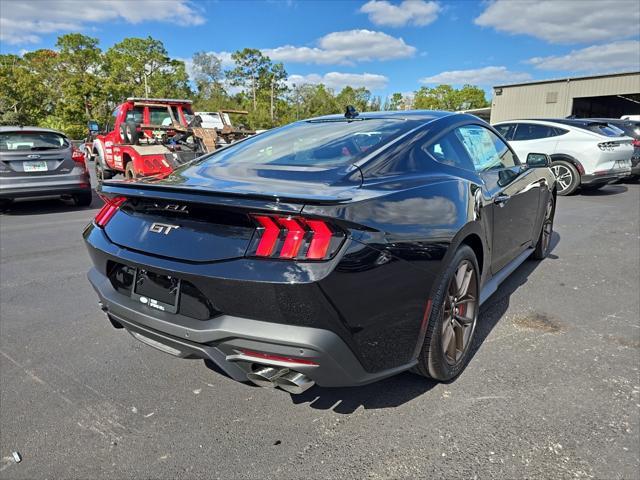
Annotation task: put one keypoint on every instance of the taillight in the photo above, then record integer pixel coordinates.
(292, 237)
(110, 207)
(636, 143)
(78, 157)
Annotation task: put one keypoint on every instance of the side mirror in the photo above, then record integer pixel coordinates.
(93, 126)
(538, 160)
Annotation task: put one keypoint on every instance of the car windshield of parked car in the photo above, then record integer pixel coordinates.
(316, 143)
(10, 141)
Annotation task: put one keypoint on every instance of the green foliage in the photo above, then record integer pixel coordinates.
(445, 97)
(77, 82)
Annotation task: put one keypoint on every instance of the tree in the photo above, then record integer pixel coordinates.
(78, 75)
(207, 73)
(142, 67)
(27, 95)
(251, 67)
(358, 97)
(396, 102)
(445, 97)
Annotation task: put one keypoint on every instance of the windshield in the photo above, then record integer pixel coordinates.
(314, 143)
(32, 141)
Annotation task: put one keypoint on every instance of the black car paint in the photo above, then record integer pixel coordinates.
(402, 228)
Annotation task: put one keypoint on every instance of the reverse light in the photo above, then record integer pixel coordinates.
(293, 237)
(110, 207)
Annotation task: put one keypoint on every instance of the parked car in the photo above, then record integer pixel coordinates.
(298, 257)
(631, 128)
(584, 153)
(40, 162)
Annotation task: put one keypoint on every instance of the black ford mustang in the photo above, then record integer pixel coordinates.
(338, 250)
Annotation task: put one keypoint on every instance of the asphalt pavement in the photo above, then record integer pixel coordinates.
(552, 390)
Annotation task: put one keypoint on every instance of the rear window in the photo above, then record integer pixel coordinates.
(605, 129)
(314, 143)
(10, 141)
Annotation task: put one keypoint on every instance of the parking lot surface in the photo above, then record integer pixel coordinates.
(552, 391)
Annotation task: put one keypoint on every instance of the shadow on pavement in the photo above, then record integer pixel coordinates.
(406, 386)
(606, 190)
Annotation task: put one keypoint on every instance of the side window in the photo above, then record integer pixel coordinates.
(532, 131)
(159, 116)
(486, 150)
(112, 121)
(506, 130)
(135, 114)
(448, 150)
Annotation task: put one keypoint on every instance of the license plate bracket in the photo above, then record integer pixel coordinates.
(161, 292)
(34, 166)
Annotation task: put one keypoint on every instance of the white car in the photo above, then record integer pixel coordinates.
(584, 153)
(214, 119)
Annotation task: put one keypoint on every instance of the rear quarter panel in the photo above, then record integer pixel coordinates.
(402, 230)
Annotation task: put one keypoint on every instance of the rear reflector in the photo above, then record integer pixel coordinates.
(298, 238)
(276, 358)
(111, 206)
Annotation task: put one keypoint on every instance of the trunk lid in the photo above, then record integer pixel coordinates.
(201, 214)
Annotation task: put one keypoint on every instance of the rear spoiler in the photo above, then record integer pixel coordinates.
(275, 201)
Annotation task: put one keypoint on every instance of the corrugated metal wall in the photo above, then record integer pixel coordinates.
(555, 99)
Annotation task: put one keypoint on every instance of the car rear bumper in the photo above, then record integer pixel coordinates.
(609, 176)
(44, 185)
(223, 339)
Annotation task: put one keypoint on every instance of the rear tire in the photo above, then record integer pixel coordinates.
(546, 232)
(454, 313)
(83, 199)
(129, 172)
(567, 177)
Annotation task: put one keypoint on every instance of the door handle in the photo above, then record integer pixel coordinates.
(501, 199)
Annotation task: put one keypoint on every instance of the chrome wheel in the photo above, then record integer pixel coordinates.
(460, 312)
(564, 176)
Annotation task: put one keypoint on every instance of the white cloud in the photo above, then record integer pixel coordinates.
(624, 55)
(478, 76)
(339, 80)
(564, 21)
(413, 12)
(345, 48)
(26, 20)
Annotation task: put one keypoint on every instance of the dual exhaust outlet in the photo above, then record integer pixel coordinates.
(288, 380)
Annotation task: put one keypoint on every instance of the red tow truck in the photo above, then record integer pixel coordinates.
(153, 136)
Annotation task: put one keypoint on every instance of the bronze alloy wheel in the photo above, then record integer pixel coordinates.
(460, 311)
(547, 226)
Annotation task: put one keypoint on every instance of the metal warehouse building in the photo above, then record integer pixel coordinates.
(606, 96)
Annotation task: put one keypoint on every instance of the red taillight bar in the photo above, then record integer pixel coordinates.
(276, 358)
(292, 237)
(108, 210)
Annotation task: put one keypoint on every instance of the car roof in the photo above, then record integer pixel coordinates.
(27, 128)
(391, 114)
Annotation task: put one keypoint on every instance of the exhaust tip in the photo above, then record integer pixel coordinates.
(294, 382)
(265, 376)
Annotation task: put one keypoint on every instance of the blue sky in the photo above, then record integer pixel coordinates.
(387, 46)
